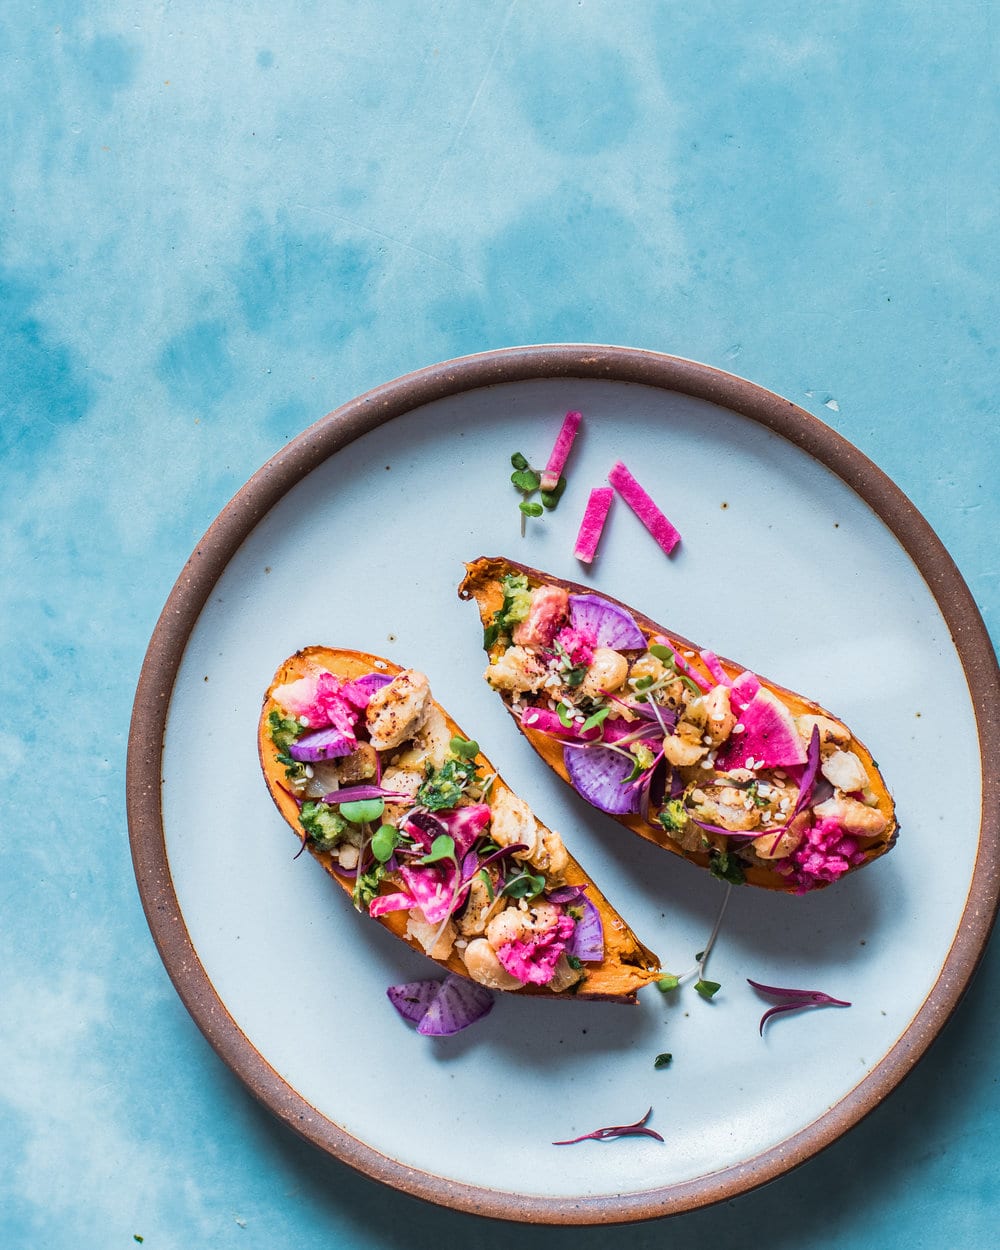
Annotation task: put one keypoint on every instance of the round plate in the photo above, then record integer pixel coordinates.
(799, 558)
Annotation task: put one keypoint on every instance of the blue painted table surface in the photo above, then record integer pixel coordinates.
(221, 221)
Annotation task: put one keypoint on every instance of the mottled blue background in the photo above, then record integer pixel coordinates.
(217, 222)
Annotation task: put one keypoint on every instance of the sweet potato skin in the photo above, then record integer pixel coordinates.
(628, 964)
(482, 584)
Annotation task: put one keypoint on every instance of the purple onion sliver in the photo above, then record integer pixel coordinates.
(566, 893)
(322, 744)
(356, 794)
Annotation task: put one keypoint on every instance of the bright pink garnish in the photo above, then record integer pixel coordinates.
(744, 688)
(544, 720)
(383, 903)
(433, 889)
(592, 526)
(793, 1000)
(825, 853)
(711, 662)
(768, 739)
(465, 824)
(644, 508)
(533, 960)
(318, 700)
(359, 691)
(577, 643)
(638, 1129)
(560, 452)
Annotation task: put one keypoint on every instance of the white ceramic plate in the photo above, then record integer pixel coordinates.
(819, 585)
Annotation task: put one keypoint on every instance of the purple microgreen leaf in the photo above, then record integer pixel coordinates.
(615, 1131)
(793, 1000)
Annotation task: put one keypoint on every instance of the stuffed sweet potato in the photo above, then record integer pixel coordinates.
(692, 752)
(410, 819)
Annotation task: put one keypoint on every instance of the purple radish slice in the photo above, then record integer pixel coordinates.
(457, 1004)
(566, 894)
(587, 942)
(599, 776)
(412, 999)
(323, 744)
(607, 623)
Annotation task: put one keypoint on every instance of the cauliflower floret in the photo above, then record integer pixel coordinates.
(844, 771)
(397, 711)
(516, 671)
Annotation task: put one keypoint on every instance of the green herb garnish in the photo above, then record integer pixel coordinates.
(362, 811)
(662, 1061)
(525, 885)
(284, 730)
(673, 816)
(324, 825)
(444, 787)
(367, 884)
(443, 847)
(464, 748)
(707, 989)
(726, 867)
(667, 983)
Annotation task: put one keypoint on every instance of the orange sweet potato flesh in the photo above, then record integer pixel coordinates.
(482, 583)
(627, 965)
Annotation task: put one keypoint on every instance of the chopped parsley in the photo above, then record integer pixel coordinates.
(366, 885)
(324, 826)
(443, 787)
(516, 605)
(284, 730)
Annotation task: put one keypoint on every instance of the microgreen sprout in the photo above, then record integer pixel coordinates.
(707, 989)
(529, 481)
(468, 749)
(793, 1000)
(443, 847)
(638, 1129)
(362, 811)
(525, 885)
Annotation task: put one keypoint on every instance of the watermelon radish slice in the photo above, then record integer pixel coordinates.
(666, 535)
(607, 623)
(560, 452)
(769, 738)
(743, 690)
(592, 525)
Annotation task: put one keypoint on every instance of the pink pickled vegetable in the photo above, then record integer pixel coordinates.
(359, 691)
(607, 623)
(711, 662)
(644, 508)
(533, 960)
(561, 450)
(743, 690)
(682, 665)
(381, 904)
(592, 526)
(768, 739)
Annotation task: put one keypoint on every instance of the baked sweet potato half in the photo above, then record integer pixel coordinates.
(410, 819)
(690, 751)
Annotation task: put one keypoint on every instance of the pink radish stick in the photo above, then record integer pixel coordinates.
(592, 525)
(644, 508)
(560, 452)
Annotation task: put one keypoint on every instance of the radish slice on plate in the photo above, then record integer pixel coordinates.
(592, 525)
(561, 450)
(642, 505)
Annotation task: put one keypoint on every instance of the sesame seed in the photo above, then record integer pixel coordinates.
(738, 728)
(707, 740)
(706, 763)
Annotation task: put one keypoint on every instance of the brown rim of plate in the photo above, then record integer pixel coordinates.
(311, 448)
